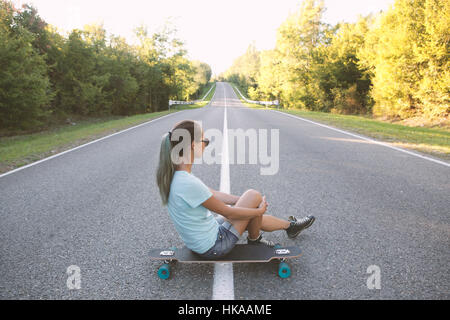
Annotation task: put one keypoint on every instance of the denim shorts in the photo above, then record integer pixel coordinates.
(226, 239)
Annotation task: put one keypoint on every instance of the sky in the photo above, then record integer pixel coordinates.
(215, 32)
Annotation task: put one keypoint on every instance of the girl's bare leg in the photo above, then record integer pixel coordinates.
(271, 223)
(249, 199)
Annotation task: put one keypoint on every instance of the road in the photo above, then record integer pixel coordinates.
(98, 208)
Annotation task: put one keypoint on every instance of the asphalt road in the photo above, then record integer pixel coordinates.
(98, 208)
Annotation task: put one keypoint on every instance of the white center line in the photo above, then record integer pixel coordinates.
(223, 287)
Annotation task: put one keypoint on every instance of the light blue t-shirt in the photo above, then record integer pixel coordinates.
(195, 224)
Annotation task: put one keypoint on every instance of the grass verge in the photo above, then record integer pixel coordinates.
(432, 141)
(20, 150)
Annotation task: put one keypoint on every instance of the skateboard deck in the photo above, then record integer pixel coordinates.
(241, 253)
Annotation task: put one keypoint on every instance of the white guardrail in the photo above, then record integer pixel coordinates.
(266, 103)
(172, 102)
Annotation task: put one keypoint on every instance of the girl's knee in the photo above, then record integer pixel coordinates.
(249, 199)
(255, 194)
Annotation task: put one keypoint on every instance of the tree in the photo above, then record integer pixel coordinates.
(24, 85)
(407, 52)
(297, 39)
(46, 77)
(122, 87)
(202, 75)
(344, 83)
(433, 57)
(270, 78)
(29, 19)
(244, 70)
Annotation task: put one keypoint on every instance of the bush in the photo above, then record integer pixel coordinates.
(24, 84)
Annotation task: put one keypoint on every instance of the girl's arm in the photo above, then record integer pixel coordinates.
(239, 213)
(225, 197)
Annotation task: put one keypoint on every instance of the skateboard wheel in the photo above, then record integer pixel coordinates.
(164, 271)
(283, 270)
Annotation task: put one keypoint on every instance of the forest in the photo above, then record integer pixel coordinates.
(390, 65)
(47, 77)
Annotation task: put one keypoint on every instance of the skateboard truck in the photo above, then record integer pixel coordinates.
(164, 270)
(167, 253)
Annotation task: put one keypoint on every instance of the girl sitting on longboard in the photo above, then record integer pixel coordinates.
(190, 202)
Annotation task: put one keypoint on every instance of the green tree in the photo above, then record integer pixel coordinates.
(29, 19)
(202, 76)
(297, 39)
(122, 87)
(269, 77)
(46, 77)
(342, 85)
(407, 52)
(245, 69)
(24, 85)
(433, 57)
(80, 89)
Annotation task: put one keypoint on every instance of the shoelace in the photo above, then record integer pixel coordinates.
(301, 221)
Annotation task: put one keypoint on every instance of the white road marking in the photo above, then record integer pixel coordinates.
(223, 286)
(83, 145)
(367, 139)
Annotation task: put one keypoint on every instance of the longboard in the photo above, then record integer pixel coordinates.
(241, 253)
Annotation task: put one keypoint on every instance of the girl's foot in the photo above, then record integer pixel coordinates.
(260, 240)
(298, 225)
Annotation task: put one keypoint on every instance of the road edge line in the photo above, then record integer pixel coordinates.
(366, 139)
(83, 145)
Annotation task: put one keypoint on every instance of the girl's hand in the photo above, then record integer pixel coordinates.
(263, 205)
(264, 199)
(235, 200)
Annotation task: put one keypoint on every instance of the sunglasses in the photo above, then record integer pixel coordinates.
(206, 141)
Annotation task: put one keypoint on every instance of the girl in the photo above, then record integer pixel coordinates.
(190, 201)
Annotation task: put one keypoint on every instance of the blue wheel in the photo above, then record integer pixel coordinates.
(284, 271)
(164, 271)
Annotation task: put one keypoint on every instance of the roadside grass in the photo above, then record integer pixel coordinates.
(20, 150)
(428, 140)
(431, 141)
(211, 93)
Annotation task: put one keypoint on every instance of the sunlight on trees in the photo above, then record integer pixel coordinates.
(48, 77)
(394, 64)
